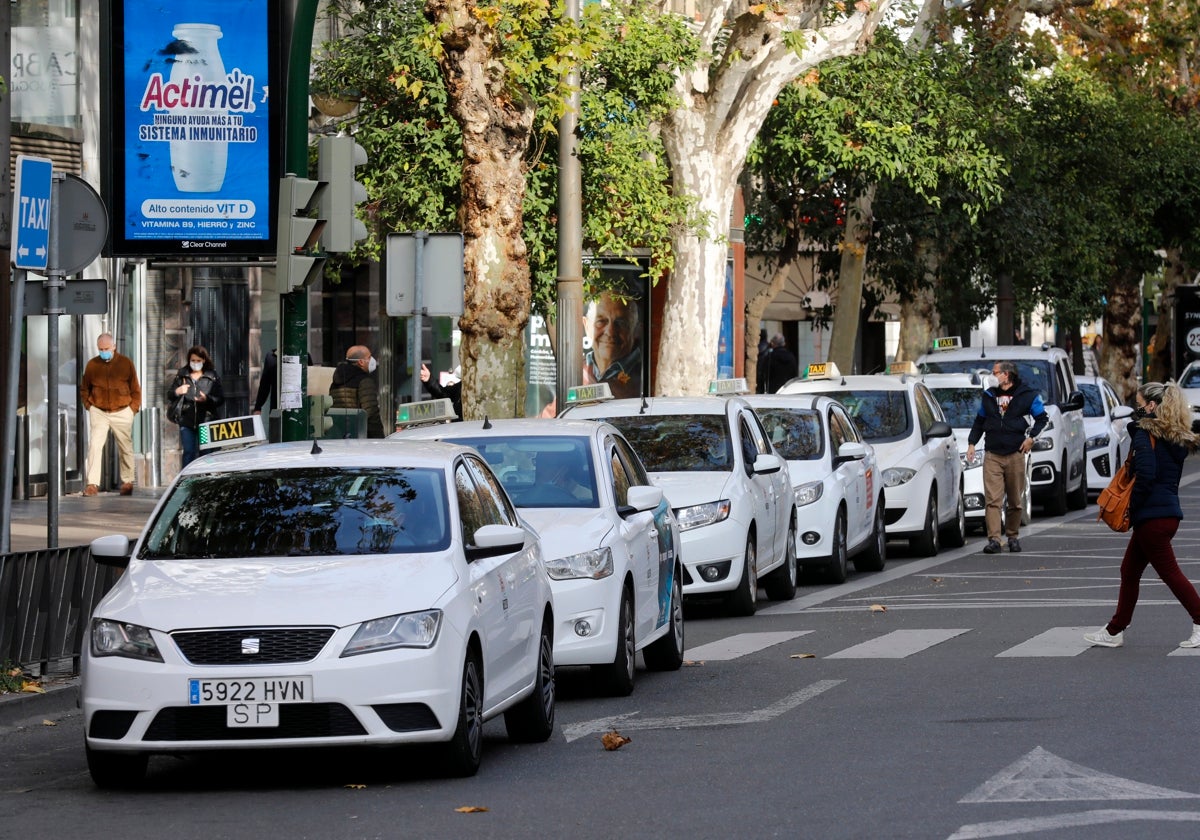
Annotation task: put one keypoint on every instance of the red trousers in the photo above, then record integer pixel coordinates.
(1151, 545)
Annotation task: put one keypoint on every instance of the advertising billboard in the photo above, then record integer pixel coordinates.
(193, 135)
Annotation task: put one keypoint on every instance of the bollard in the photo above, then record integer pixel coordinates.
(152, 436)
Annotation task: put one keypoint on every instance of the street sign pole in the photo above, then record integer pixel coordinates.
(10, 407)
(55, 280)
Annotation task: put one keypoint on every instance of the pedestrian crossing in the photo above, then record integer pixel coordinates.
(902, 644)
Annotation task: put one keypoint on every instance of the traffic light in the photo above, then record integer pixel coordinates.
(337, 158)
(299, 258)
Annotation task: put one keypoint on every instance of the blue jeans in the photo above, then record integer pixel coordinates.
(190, 439)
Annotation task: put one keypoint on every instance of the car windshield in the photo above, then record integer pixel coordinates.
(1033, 372)
(1190, 378)
(794, 432)
(960, 405)
(539, 472)
(1093, 402)
(880, 415)
(302, 512)
(679, 442)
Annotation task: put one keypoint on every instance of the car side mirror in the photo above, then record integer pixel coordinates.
(1074, 402)
(111, 550)
(766, 464)
(851, 450)
(939, 429)
(1121, 412)
(640, 498)
(491, 540)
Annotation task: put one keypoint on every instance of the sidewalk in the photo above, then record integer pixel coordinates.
(82, 518)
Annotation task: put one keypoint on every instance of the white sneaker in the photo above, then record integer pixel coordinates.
(1101, 638)
(1194, 641)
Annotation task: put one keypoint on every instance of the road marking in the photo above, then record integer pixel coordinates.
(630, 722)
(1029, 825)
(1041, 776)
(742, 644)
(897, 644)
(1057, 641)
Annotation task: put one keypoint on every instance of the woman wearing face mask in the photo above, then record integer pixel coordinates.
(353, 386)
(194, 398)
(1162, 437)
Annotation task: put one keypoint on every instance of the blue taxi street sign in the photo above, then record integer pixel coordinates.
(31, 212)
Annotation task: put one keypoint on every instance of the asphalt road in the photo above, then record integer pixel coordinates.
(945, 698)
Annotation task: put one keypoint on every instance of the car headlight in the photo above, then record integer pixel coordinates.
(1097, 442)
(895, 476)
(116, 638)
(1042, 444)
(407, 630)
(971, 463)
(594, 564)
(697, 516)
(806, 494)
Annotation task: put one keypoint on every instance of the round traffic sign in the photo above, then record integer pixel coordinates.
(81, 226)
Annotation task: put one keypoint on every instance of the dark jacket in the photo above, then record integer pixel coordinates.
(1005, 425)
(776, 367)
(183, 408)
(1157, 466)
(353, 387)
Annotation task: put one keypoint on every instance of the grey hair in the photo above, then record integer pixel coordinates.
(778, 340)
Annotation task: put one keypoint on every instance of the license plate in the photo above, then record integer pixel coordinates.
(252, 714)
(252, 690)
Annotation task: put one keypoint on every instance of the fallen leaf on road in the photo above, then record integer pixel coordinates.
(693, 662)
(49, 723)
(470, 809)
(614, 740)
(356, 787)
(33, 688)
(803, 656)
(878, 608)
(937, 580)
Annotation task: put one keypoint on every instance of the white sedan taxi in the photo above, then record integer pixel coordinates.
(297, 595)
(836, 481)
(922, 473)
(610, 541)
(729, 489)
(959, 396)
(1106, 424)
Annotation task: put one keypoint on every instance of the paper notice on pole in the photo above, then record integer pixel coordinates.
(290, 390)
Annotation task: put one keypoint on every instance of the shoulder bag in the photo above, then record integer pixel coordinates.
(1114, 499)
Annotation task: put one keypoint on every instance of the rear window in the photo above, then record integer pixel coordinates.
(794, 432)
(879, 415)
(302, 513)
(679, 442)
(960, 405)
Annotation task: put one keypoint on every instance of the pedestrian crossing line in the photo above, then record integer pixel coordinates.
(897, 645)
(743, 644)
(1057, 641)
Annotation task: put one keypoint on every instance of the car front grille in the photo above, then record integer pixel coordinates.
(252, 645)
(406, 717)
(296, 720)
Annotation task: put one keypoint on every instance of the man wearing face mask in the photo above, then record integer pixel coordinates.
(353, 386)
(111, 395)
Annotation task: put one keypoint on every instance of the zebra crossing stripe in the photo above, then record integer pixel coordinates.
(742, 644)
(897, 644)
(1057, 641)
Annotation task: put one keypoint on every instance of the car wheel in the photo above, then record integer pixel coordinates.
(1056, 503)
(666, 653)
(955, 534)
(781, 583)
(1078, 499)
(616, 678)
(532, 720)
(465, 749)
(116, 771)
(835, 571)
(875, 557)
(744, 599)
(927, 543)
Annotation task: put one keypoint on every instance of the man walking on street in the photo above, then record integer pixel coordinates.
(777, 365)
(1003, 417)
(111, 394)
(353, 386)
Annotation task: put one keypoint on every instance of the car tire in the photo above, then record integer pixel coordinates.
(875, 557)
(465, 750)
(954, 535)
(836, 570)
(532, 720)
(1078, 499)
(928, 542)
(616, 678)
(781, 583)
(116, 770)
(1056, 502)
(666, 652)
(744, 599)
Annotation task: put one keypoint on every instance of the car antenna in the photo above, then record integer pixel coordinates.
(645, 405)
(487, 422)
(316, 450)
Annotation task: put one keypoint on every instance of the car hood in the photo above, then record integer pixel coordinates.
(893, 453)
(566, 531)
(683, 489)
(340, 591)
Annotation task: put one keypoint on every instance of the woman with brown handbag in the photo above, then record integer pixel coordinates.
(1162, 438)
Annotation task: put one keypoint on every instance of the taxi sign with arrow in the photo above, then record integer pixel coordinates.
(31, 212)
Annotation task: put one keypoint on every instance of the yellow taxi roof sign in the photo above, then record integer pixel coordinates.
(822, 370)
(947, 342)
(902, 368)
(722, 387)
(581, 394)
(424, 412)
(233, 431)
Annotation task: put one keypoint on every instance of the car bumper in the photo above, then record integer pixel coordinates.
(585, 615)
(814, 528)
(722, 545)
(905, 506)
(974, 502)
(1100, 469)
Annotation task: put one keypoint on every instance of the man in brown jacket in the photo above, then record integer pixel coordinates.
(112, 396)
(353, 386)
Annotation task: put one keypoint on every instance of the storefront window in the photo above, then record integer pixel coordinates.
(44, 74)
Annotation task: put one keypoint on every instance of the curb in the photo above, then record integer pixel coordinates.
(27, 708)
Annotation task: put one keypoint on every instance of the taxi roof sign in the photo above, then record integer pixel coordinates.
(822, 370)
(902, 368)
(723, 387)
(234, 431)
(589, 393)
(947, 342)
(425, 411)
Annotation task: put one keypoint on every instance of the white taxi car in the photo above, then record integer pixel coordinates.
(922, 473)
(608, 536)
(301, 595)
(1189, 383)
(959, 396)
(836, 481)
(1106, 424)
(730, 491)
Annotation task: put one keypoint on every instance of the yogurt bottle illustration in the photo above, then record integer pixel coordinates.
(198, 164)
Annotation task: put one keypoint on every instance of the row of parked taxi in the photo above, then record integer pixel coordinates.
(408, 590)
